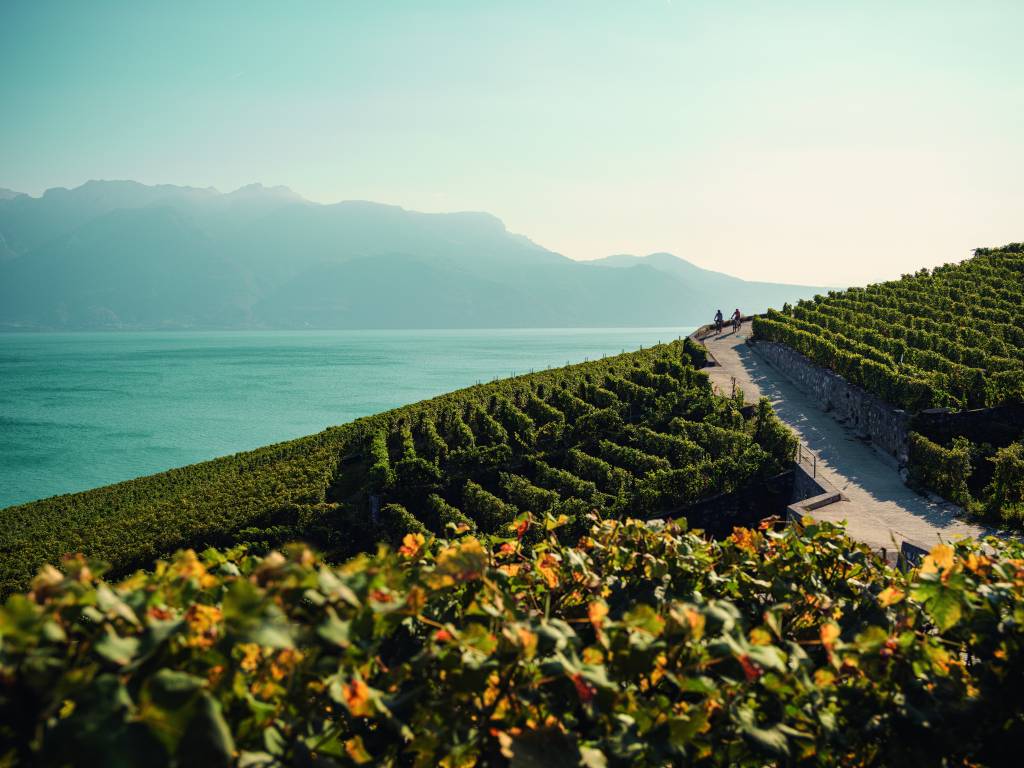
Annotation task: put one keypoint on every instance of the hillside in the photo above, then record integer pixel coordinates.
(639, 433)
(118, 254)
(751, 297)
(951, 337)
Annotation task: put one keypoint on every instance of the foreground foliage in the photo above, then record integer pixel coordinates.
(639, 645)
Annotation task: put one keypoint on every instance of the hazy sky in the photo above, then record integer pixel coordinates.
(818, 142)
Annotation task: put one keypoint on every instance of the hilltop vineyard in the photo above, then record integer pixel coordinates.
(952, 337)
(637, 434)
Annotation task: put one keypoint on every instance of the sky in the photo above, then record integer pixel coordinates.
(819, 142)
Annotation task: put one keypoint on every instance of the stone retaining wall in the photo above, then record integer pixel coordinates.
(999, 426)
(718, 515)
(869, 416)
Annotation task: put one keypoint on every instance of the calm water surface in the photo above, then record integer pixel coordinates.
(82, 410)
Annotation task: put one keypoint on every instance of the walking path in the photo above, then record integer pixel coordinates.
(878, 508)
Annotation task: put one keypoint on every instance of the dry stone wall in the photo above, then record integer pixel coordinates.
(869, 416)
(998, 426)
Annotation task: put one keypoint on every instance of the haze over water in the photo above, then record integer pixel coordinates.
(82, 410)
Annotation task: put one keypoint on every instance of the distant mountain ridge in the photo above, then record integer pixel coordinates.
(735, 293)
(124, 255)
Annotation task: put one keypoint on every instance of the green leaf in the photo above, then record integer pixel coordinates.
(167, 703)
(771, 740)
(156, 634)
(170, 689)
(681, 731)
(548, 748)
(207, 740)
(334, 630)
(591, 757)
(120, 650)
(944, 608)
(108, 602)
(249, 614)
(871, 639)
(256, 759)
(274, 741)
(644, 618)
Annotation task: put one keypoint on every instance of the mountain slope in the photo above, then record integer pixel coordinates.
(121, 254)
(723, 291)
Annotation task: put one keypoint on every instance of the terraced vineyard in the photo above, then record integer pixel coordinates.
(950, 337)
(637, 434)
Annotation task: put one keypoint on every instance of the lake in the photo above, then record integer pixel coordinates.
(79, 410)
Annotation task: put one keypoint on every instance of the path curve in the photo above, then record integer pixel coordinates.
(878, 507)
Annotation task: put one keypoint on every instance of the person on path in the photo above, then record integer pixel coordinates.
(719, 318)
(737, 318)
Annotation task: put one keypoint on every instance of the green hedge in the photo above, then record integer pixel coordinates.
(1005, 496)
(944, 470)
(381, 475)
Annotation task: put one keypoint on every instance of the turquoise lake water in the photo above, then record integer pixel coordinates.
(82, 410)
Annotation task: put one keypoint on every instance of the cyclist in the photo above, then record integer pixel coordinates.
(737, 318)
(718, 321)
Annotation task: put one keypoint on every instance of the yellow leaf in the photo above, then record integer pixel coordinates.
(890, 596)
(760, 636)
(940, 558)
(357, 751)
(824, 677)
(415, 600)
(463, 561)
(250, 656)
(528, 640)
(463, 760)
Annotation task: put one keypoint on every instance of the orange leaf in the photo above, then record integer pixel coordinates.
(890, 596)
(829, 634)
(412, 544)
(548, 567)
(745, 539)
(357, 698)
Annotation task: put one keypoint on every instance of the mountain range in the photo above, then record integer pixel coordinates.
(124, 255)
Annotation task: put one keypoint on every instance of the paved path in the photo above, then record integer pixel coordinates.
(878, 508)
